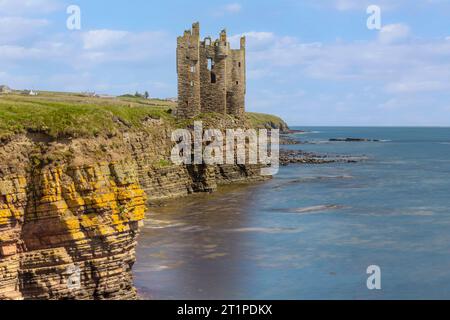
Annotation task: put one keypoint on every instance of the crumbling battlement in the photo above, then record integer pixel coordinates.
(211, 75)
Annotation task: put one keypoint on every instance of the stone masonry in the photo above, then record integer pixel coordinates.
(211, 75)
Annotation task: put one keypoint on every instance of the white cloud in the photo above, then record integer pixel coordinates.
(15, 28)
(351, 5)
(11, 53)
(386, 73)
(233, 8)
(228, 9)
(417, 85)
(361, 5)
(384, 60)
(393, 33)
(98, 39)
(105, 45)
(28, 7)
(344, 5)
(257, 39)
(259, 36)
(110, 61)
(267, 98)
(91, 47)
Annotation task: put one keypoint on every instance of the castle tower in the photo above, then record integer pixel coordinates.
(214, 60)
(236, 83)
(211, 76)
(188, 73)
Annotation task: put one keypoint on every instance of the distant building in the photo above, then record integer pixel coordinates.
(5, 89)
(89, 94)
(105, 96)
(32, 93)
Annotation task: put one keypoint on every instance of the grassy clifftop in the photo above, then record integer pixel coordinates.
(62, 115)
(267, 121)
(71, 115)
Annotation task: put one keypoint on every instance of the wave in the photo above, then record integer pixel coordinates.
(193, 229)
(317, 208)
(266, 230)
(306, 132)
(151, 268)
(162, 224)
(320, 178)
(319, 142)
(312, 209)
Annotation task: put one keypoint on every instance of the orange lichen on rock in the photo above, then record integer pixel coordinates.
(70, 218)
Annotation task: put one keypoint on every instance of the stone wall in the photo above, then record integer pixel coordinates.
(189, 103)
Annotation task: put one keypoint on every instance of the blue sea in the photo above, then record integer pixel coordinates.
(312, 231)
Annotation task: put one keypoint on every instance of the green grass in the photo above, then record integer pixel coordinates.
(73, 115)
(163, 163)
(267, 121)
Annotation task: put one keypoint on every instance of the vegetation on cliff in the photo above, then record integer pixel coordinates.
(267, 121)
(64, 115)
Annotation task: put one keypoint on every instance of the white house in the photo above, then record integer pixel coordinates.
(5, 89)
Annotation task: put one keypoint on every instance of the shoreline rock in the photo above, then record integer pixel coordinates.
(287, 140)
(353, 140)
(301, 157)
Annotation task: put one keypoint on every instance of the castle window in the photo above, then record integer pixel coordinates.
(192, 83)
(239, 64)
(193, 68)
(210, 64)
(237, 82)
(213, 77)
(207, 41)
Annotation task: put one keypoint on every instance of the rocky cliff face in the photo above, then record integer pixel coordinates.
(70, 210)
(69, 233)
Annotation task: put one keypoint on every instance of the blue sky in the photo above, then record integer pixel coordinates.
(313, 62)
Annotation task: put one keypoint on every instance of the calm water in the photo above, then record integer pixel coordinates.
(312, 231)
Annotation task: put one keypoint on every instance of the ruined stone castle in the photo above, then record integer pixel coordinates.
(211, 75)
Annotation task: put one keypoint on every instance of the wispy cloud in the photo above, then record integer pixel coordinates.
(28, 7)
(228, 9)
(393, 33)
(361, 5)
(16, 28)
(100, 39)
(233, 8)
(350, 5)
(386, 73)
(79, 60)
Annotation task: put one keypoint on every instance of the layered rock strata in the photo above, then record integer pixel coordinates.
(70, 211)
(70, 233)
